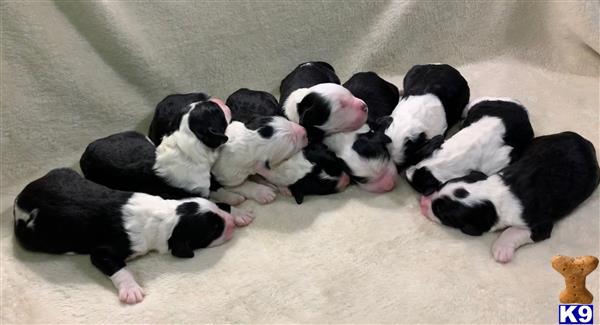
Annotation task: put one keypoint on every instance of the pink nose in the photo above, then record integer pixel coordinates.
(363, 106)
(229, 228)
(343, 182)
(300, 134)
(424, 203)
(223, 107)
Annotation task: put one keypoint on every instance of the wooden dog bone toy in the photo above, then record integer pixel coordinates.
(575, 269)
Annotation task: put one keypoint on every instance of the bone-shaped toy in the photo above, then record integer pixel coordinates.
(575, 269)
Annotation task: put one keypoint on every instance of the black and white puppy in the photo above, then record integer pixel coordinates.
(433, 100)
(443, 81)
(554, 175)
(188, 141)
(493, 135)
(271, 138)
(380, 95)
(313, 97)
(314, 170)
(62, 212)
(366, 156)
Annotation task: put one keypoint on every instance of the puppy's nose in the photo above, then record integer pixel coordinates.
(363, 106)
(300, 134)
(424, 204)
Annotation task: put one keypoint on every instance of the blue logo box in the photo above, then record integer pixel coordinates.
(575, 314)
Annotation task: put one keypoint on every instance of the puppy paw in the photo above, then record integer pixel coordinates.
(503, 253)
(131, 294)
(223, 196)
(263, 194)
(241, 218)
(284, 190)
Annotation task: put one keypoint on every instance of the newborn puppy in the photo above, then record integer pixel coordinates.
(246, 104)
(312, 97)
(380, 96)
(185, 155)
(555, 174)
(271, 138)
(306, 75)
(443, 81)
(365, 153)
(494, 134)
(62, 212)
(313, 171)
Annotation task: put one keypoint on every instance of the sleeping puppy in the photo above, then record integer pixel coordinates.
(380, 96)
(270, 138)
(312, 97)
(62, 212)
(555, 174)
(367, 158)
(494, 134)
(443, 81)
(314, 170)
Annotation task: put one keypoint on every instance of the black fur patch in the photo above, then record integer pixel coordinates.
(380, 96)
(306, 75)
(471, 220)
(168, 114)
(461, 193)
(246, 104)
(372, 145)
(424, 182)
(262, 125)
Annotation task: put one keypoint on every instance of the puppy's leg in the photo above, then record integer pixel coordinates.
(259, 193)
(507, 243)
(107, 261)
(225, 196)
(240, 217)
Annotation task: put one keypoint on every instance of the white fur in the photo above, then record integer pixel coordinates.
(341, 115)
(184, 161)
(341, 144)
(149, 221)
(493, 189)
(478, 100)
(507, 243)
(262, 194)
(412, 116)
(480, 146)
(129, 290)
(289, 171)
(245, 148)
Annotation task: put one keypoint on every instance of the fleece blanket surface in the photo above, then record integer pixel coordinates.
(72, 72)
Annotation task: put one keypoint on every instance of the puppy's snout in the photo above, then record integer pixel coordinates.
(300, 134)
(363, 106)
(229, 229)
(226, 110)
(425, 203)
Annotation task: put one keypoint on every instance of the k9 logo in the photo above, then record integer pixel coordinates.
(575, 314)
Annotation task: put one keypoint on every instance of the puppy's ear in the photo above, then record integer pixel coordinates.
(471, 230)
(297, 193)
(213, 139)
(311, 110)
(382, 123)
(430, 146)
(181, 249)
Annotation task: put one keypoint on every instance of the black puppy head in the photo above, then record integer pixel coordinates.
(324, 178)
(463, 204)
(207, 121)
(195, 229)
